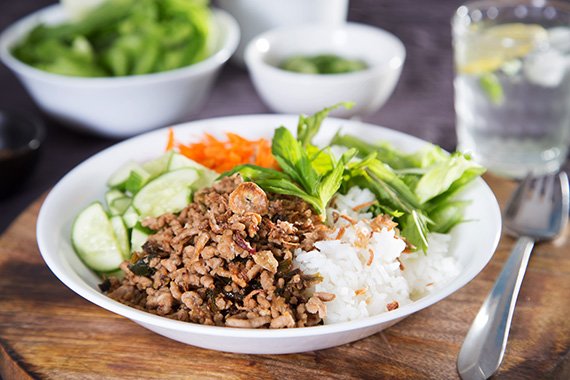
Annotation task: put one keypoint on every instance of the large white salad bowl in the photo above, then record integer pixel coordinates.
(473, 243)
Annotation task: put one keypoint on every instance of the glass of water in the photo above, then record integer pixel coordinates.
(512, 84)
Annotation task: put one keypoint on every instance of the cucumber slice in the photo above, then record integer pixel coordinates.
(179, 161)
(122, 235)
(120, 205)
(130, 217)
(130, 177)
(111, 195)
(94, 239)
(138, 238)
(136, 180)
(207, 176)
(159, 165)
(116, 273)
(206, 179)
(116, 201)
(169, 192)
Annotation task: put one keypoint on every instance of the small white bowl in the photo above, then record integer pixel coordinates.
(119, 106)
(258, 16)
(290, 92)
(472, 244)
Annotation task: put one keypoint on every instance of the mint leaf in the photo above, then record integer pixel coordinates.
(308, 126)
(293, 159)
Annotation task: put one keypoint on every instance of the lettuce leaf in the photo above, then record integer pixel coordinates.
(421, 185)
(441, 176)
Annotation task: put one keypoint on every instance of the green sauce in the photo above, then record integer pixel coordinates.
(322, 64)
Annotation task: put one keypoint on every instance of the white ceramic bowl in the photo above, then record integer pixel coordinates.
(473, 243)
(120, 106)
(257, 16)
(290, 92)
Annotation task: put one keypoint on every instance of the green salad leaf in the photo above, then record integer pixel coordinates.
(122, 37)
(309, 173)
(421, 185)
(447, 215)
(441, 175)
(417, 189)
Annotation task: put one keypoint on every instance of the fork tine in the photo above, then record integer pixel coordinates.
(537, 188)
(518, 196)
(549, 186)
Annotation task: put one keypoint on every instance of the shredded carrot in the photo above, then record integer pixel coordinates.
(170, 141)
(221, 155)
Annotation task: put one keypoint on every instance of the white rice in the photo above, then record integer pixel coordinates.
(367, 277)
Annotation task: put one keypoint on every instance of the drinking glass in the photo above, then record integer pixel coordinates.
(512, 84)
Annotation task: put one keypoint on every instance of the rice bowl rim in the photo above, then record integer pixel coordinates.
(50, 233)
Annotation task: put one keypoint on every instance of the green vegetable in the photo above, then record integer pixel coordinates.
(418, 189)
(322, 64)
(303, 174)
(170, 192)
(440, 176)
(162, 185)
(395, 196)
(447, 215)
(122, 37)
(308, 126)
(94, 239)
(395, 158)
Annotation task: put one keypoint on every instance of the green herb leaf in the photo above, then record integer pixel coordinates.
(252, 173)
(308, 173)
(308, 126)
(415, 229)
(287, 187)
(293, 159)
(421, 185)
(321, 159)
(416, 189)
(331, 183)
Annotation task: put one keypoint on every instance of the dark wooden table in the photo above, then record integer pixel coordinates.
(422, 104)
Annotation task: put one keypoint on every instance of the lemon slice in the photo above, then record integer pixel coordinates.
(482, 65)
(489, 49)
(518, 39)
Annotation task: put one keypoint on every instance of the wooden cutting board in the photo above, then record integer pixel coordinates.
(47, 331)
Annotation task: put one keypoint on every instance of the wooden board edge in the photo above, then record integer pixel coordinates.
(11, 365)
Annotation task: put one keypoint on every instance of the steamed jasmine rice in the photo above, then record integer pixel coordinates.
(368, 269)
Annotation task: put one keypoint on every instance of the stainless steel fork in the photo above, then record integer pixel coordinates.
(537, 211)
